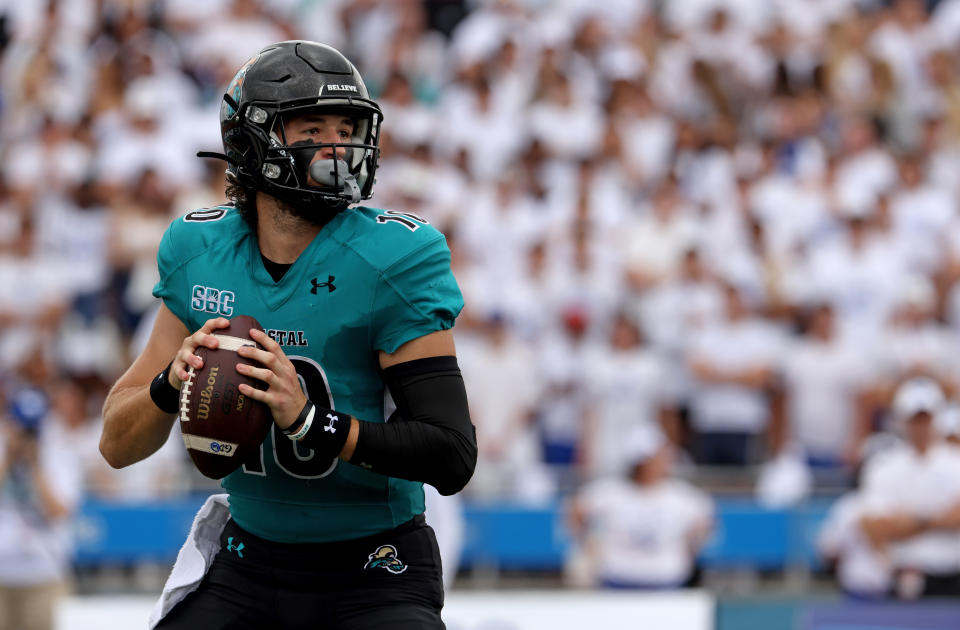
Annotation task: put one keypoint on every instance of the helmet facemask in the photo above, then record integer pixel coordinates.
(291, 173)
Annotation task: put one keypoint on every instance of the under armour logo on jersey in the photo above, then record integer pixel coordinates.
(330, 426)
(232, 547)
(317, 285)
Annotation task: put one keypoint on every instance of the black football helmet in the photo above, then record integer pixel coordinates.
(294, 78)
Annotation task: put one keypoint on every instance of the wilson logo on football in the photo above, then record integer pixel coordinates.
(206, 394)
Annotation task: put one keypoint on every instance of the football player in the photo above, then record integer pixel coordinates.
(325, 528)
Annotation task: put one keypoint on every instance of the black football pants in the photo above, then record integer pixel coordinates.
(389, 580)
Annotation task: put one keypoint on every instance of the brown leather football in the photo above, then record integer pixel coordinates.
(221, 427)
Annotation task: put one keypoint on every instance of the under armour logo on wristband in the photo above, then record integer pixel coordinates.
(330, 426)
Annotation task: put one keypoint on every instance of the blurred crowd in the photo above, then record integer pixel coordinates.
(731, 221)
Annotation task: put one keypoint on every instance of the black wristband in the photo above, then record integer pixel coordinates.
(301, 418)
(164, 395)
(327, 432)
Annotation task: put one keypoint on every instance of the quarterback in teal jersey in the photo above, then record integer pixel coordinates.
(325, 528)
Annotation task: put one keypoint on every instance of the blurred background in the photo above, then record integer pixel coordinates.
(709, 251)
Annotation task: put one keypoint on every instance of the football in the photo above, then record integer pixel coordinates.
(221, 427)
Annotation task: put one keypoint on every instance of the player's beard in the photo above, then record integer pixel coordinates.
(313, 215)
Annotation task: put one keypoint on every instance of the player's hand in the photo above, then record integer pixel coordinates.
(186, 356)
(283, 394)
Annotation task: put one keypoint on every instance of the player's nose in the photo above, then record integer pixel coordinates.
(329, 137)
(327, 152)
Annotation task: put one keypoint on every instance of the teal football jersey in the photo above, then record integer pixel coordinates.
(371, 280)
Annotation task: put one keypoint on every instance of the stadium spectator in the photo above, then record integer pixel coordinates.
(509, 457)
(139, 215)
(732, 362)
(627, 385)
(561, 403)
(34, 294)
(641, 528)
(41, 485)
(914, 341)
(912, 497)
(656, 238)
(824, 376)
(862, 570)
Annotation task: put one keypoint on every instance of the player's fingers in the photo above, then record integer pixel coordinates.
(212, 324)
(181, 372)
(183, 361)
(264, 340)
(205, 336)
(261, 374)
(186, 356)
(256, 354)
(254, 393)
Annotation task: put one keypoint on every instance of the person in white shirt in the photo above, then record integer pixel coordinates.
(824, 375)
(863, 571)
(921, 210)
(629, 383)
(642, 529)
(41, 485)
(914, 341)
(563, 400)
(912, 497)
(859, 268)
(503, 395)
(656, 239)
(732, 363)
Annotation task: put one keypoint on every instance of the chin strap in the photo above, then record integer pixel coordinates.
(217, 156)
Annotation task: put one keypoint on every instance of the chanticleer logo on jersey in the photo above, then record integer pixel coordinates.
(385, 557)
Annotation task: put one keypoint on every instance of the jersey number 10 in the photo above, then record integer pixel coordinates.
(290, 456)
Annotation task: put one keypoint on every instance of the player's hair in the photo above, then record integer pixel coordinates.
(244, 199)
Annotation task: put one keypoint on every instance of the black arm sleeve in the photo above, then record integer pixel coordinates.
(430, 438)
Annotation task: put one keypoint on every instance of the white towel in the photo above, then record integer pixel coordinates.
(195, 556)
